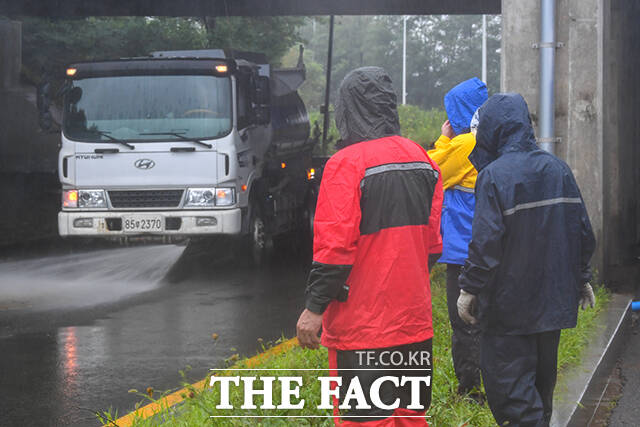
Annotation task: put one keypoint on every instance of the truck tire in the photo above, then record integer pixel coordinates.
(306, 235)
(259, 243)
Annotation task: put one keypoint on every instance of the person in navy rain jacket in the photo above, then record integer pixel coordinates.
(528, 268)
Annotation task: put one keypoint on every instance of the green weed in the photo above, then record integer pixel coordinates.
(447, 407)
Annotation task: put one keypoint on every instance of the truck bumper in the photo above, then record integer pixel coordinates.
(173, 223)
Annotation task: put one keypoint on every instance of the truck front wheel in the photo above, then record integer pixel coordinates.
(306, 232)
(259, 241)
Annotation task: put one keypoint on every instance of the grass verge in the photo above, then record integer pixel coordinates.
(447, 407)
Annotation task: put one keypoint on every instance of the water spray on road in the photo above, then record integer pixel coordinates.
(84, 279)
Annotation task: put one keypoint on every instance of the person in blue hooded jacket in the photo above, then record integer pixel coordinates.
(528, 268)
(451, 153)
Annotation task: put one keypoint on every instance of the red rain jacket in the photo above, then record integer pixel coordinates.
(377, 220)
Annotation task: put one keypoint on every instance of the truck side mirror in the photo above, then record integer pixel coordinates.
(262, 92)
(75, 95)
(262, 114)
(262, 100)
(45, 120)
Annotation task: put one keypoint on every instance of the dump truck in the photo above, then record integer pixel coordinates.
(199, 143)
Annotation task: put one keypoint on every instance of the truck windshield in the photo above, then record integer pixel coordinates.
(127, 107)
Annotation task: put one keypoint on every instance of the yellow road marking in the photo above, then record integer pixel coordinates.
(177, 397)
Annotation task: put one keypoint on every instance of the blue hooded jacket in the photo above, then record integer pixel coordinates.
(531, 241)
(461, 103)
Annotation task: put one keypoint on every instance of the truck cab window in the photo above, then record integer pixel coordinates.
(130, 107)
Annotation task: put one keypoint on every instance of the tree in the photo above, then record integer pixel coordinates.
(271, 35)
(53, 43)
(445, 50)
(50, 44)
(442, 50)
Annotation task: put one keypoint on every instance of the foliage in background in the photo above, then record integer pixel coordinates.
(416, 124)
(50, 44)
(442, 50)
(419, 125)
(447, 407)
(447, 49)
(271, 35)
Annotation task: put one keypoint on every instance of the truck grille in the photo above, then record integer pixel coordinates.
(146, 198)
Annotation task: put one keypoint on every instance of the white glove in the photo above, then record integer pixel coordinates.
(466, 303)
(587, 297)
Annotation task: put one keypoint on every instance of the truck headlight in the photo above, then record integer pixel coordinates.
(225, 196)
(84, 199)
(209, 197)
(200, 197)
(91, 199)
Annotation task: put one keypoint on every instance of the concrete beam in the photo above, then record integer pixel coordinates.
(11, 53)
(245, 7)
(24, 148)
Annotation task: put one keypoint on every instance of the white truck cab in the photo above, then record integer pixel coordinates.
(189, 143)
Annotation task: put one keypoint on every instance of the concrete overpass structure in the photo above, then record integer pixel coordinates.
(245, 7)
(596, 96)
(597, 110)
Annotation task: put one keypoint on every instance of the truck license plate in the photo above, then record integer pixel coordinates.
(142, 224)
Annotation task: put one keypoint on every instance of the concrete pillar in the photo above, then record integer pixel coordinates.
(10, 53)
(24, 148)
(622, 139)
(578, 86)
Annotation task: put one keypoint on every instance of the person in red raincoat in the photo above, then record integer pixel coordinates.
(377, 225)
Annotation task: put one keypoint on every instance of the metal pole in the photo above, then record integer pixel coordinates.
(484, 48)
(404, 62)
(546, 135)
(327, 89)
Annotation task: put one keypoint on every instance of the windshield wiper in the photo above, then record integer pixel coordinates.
(179, 135)
(106, 135)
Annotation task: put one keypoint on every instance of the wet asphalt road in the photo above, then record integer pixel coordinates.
(78, 331)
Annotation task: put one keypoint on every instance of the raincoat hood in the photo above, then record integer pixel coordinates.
(504, 125)
(462, 101)
(366, 108)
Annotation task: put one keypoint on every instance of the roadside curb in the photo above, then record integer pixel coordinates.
(588, 381)
(178, 396)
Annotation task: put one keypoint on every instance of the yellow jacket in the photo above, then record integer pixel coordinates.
(452, 156)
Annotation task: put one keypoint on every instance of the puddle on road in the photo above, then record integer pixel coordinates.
(84, 280)
(74, 360)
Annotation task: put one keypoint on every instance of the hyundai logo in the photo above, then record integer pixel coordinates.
(144, 163)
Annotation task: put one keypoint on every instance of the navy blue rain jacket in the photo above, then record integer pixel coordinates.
(531, 241)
